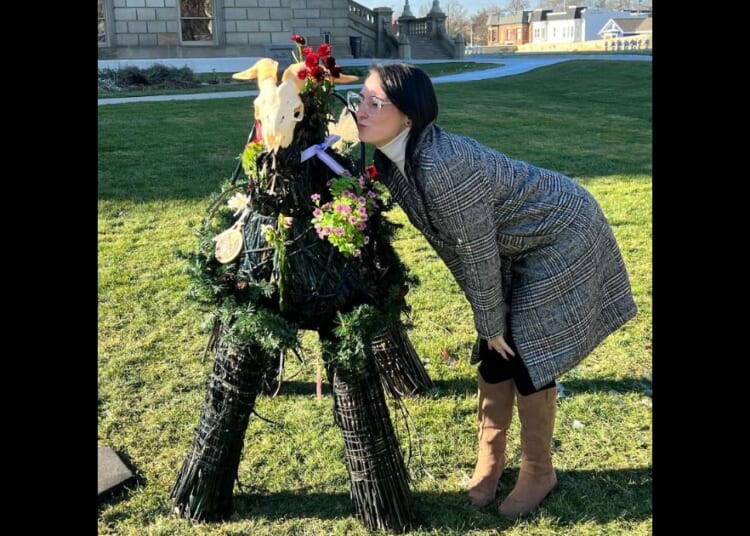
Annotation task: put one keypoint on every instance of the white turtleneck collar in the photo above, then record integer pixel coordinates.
(395, 149)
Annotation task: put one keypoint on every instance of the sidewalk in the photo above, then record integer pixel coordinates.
(506, 66)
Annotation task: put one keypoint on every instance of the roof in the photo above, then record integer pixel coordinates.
(629, 24)
(573, 12)
(520, 17)
(539, 14)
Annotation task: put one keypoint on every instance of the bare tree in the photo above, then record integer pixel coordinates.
(514, 6)
(555, 5)
(479, 25)
(456, 18)
(423, 10)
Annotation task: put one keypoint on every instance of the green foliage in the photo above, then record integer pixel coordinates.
(354, 331)
(156, 76)
(249, 158)
(151, 380)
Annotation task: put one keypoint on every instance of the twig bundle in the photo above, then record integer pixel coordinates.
(399, 365)
(203, 490)
(378, 475)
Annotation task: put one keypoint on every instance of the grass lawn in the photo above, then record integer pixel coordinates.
(158, 163)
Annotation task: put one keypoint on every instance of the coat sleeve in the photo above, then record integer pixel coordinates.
(462, 210)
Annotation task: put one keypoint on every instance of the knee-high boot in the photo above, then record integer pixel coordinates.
(495, 413)
(537, 476)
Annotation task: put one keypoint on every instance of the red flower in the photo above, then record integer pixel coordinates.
(307, 50)
(317, 73)
(324, 50)
(298, 39)
(371, 171)
(302, 73)
(311, 60)
(335, 71)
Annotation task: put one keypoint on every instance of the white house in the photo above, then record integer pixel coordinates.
(627, 26)
(576, 23)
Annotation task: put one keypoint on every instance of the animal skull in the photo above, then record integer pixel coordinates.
(279, 109)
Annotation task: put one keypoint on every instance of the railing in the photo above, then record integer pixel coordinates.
(417, 27)
(358, 10)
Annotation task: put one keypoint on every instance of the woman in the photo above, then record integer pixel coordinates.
(529, 247)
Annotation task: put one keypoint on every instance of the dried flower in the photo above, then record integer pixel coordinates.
(238, 202)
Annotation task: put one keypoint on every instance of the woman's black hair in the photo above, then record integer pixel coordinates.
(411, 91)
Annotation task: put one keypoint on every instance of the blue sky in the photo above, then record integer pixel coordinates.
(471, 6)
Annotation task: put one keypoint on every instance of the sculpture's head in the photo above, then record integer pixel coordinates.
(278, 108)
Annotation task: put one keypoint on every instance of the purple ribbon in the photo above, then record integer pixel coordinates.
(319, 150)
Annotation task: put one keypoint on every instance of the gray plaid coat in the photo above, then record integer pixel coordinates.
(521, 240)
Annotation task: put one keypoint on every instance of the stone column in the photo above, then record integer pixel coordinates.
(404, 47)
(383, 16)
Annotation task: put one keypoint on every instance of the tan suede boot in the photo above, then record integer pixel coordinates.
(537, 476)
(495, 413)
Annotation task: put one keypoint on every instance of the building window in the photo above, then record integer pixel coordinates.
(102, 24)
(197, 21)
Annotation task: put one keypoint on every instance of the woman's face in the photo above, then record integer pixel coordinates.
(378, 127)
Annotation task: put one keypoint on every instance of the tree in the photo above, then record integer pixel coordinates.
(479, 25)
(456, 19)
(514, 6)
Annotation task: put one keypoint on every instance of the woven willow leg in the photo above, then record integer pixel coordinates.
(203, 490)
(401, 370)
(378, 475)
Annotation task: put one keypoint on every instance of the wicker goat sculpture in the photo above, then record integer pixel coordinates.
(280, 267)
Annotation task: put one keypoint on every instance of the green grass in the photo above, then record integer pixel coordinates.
(225, 82)
(158, 163)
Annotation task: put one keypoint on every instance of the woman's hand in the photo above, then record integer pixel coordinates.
(500, 346)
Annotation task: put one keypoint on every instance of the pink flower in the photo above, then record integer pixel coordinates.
(367, 239)
(315, 197)
(339, 231)
(317, 213)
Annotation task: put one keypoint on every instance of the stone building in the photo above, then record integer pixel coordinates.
(142, 29)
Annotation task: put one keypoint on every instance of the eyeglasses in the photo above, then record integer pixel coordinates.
(372, 105)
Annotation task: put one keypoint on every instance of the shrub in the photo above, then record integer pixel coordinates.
(155, 76)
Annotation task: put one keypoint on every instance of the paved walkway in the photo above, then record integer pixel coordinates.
(507, 66)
